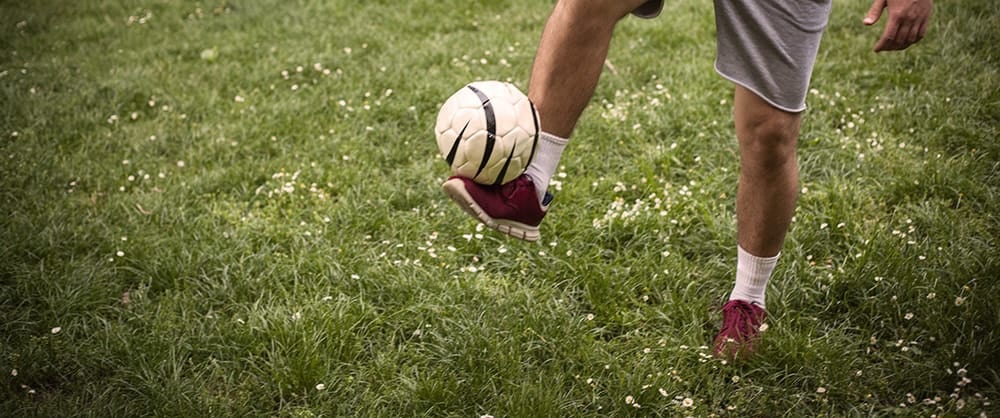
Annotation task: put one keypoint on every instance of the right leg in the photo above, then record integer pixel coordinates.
(568, 63)
(567, 66)
(570, 57)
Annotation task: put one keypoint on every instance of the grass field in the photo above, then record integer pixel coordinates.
(234, 209)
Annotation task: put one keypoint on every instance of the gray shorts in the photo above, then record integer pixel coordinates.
(769, 46)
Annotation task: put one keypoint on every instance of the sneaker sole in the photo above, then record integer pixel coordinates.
(455, 190)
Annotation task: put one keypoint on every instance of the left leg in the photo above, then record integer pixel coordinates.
(767, 49)
(769, 173)
(765, 203)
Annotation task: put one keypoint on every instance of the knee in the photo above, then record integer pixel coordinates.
(768, 144)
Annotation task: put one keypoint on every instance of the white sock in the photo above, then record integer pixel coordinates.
(546, 161)
(752, 274)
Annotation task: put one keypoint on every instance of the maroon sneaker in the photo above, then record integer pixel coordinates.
(511, 208)
(742, 323)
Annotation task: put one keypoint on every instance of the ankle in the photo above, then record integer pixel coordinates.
(752, 276)
(545, 162)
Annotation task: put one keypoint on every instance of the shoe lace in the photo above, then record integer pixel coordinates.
(509, 189)
(739, 316)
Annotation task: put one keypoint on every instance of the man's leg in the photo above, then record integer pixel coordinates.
(567, 66)
(769, 173)
(570, 58)
(765, 203)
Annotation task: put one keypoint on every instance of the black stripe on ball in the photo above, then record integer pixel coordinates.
(491, 128)
(506, 164)
(538, 130)
(454, 145)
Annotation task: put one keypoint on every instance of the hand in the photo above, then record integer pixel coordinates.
(907, 24)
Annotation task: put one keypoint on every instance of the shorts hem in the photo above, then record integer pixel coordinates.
(748, 86)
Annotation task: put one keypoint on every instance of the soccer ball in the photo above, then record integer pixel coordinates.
(487, 132)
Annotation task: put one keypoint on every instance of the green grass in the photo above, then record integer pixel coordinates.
(215, 232)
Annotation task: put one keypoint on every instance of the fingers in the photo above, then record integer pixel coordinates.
(901, 36)
(914, 34)
(889, 40)
(905, 25)
(874, 12)
(922, 31)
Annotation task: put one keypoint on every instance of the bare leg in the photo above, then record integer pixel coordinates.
(568, 63)
(769, 173)
(765, 203)
(570, 57)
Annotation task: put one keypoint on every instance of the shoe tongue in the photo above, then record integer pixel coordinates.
(509, 189)
(741, 320)
(743, 308)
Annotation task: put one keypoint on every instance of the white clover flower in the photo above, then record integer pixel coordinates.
(56, 330)
(687, 402)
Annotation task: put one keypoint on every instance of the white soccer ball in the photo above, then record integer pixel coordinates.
(487, 132)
